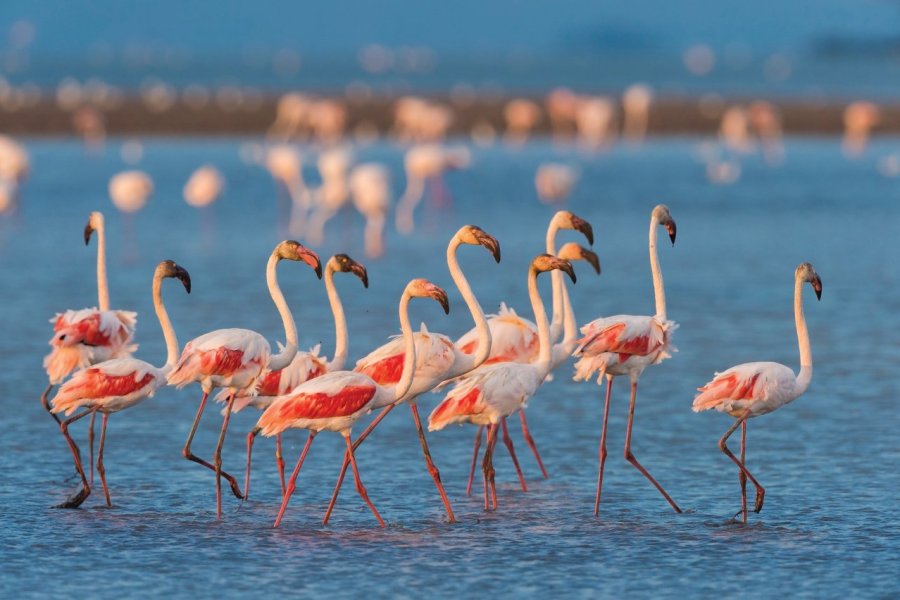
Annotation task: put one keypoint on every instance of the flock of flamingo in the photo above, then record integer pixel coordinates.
(490, 373)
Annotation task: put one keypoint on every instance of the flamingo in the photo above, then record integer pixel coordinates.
(521, 116)
(286, 167)
(438, 359)
(554, 182)
(129, 190)
(235, 358)
(423, 163)
(493, 392)
(304, 366)
(203, 187)
(113, 385)
(335, 401)
(753, 389)
(370, 186)
(626, 345)
(636, 105)
(332, 195)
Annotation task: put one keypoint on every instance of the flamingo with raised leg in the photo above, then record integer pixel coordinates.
(438, 359)
(113, 385)
(753, 389)
(493, 392)
(335, 401)
(304, 366)
(626, 345)
(235, 358)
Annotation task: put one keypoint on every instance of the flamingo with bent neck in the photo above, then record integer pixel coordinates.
(753, 389)
(438, 359)
(116, 384)
(625, 345)
(235, 358)
(335, 401)
(304, 366)
(489, 394)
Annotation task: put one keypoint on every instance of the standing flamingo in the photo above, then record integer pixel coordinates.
(438, 360)
(370, 187)
(493, 392)
(626, 345)
(304, 366)
(113, 385)
(426, 163)
(203, 187)
(336, 400)
(235, 358)
(753, 389)
(129, 190)
(286, 167)
(332, 195)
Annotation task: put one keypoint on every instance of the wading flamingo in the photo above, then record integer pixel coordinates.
(626, 345)
(753, 389)
(235, 358)
(203, 187)
(304, 366)
(117, 384)
(370, 187)
(129, 190)
(438, 359)
(336, 400)
(332, 195)
(426, 163)
(493, 392)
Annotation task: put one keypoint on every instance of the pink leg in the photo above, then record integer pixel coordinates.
(186, 451)
(91, 444)
(629, 456)
(279, 460)
(359, 440)
(530, 441)
(359, 484)
(251, 437)
(507, 440)
(45, 402)
(760, 491)
(478, 435)
(741, 477)
(487, 465)
(100, 468)
(292, 482)
(75, 500)
(603, 445)
(217, 455)
(432, 469)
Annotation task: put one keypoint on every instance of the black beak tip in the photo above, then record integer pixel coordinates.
(365, 280)
(319, 270)
(446, 306)
(87, 234)
(496, 253)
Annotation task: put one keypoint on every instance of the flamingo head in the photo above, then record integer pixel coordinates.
(548, 262)
(476, 236)
(95, 221)
(345, 264)
(168, 268)
(662, 216)
(806, 272)
(291, 250)
(569, 220)
(422, 288)
(573, 251)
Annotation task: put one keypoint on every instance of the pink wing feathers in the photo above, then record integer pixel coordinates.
(88, 336)
(759, 386)
(513, 338)
(118, 378)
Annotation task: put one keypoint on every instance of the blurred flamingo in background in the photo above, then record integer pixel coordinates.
(370, 187)
(291, 117)
(14, 169)
(626, 345)
(286, 167)
(766, 124)
(636, 105)
(129, 190)
(753, 389)
(594, 118)
(426, 163)
(521, 117)
(554, 182)
(335, 401)
(235, 358)
(116, 384)
(859, 119)
(562, 106)
(203, 187)
(332, 195)
(327, 119)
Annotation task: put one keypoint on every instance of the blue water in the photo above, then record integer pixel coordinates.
(829, 461)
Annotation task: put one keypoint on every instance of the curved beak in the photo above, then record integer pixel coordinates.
(670, 227)
(566, 267)
(88, 230)
(584, 227)
(489, 242)
(817, 287)
(310, 258)
(441, 296)
(360, 271)
(592, 258)
(184, 277)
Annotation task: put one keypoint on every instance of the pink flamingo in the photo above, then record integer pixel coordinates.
(626, 345)
(235, 358)
(753, 389)
(113, 385)
(335, 401)
(304, 366)
(438, 360)
(493, 392)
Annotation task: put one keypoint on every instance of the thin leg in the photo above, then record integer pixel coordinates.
(741, 477)
(279, 461)
(603, 445)
(45, 402)
(186, 451)
(217, 455)
(629, 456)
(478, 436)
(292, 482)
(530, 441)
(760, 492)
(487, 465)
(100, 468)
(251, 437)
(435, 474)
(359, 440)
(359, 484)
(75, 500)
(91, 445)
(507, 440)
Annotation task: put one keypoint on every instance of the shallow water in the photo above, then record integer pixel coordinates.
(828, 461)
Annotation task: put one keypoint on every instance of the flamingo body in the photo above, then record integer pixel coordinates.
(272, 383)
(228, 358)
(109, 386)
(513, 338)
(750, 389)
(88, 336)
(623, 345)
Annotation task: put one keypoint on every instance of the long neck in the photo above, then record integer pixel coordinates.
(165, 323)
(102, 286)
(340, 323)
(283, 358)
(570, 333)
(409, 352)
(556, 276)
(540, 317)
(481, 324)
(806, 363)
(659, 291)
